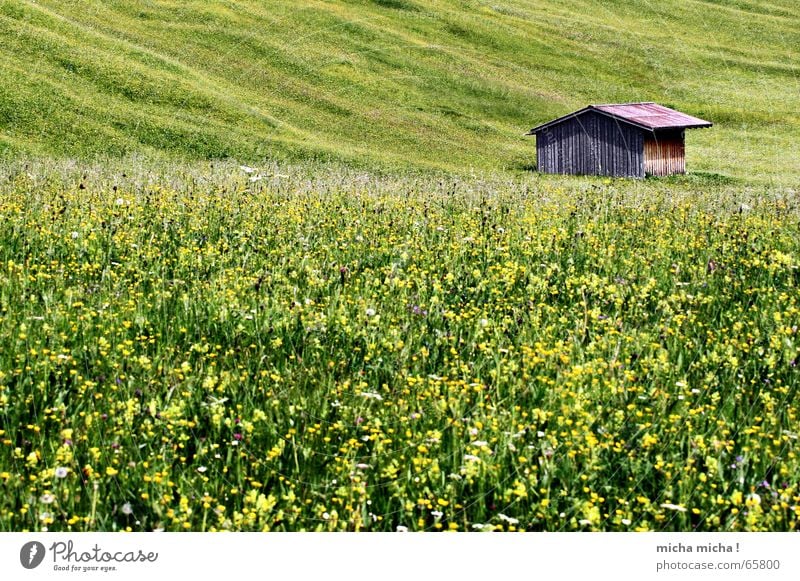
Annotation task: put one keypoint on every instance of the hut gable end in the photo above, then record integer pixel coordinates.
(591, 143)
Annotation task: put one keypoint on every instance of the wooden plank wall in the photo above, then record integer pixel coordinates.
(664, 154)
(591, 144)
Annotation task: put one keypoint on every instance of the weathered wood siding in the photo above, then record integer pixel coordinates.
(664, 153)
(592, 144)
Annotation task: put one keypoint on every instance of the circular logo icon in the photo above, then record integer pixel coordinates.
(31, 554)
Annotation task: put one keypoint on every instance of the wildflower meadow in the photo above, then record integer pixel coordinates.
(287, 349)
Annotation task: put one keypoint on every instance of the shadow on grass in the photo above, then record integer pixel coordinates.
(699, 178)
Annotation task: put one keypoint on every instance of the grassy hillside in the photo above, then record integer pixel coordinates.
(446, 83)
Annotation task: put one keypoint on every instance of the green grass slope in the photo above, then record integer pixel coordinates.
(443, 84)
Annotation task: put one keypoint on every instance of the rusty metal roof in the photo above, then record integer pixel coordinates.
(650, 116)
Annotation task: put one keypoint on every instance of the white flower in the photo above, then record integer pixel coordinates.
(119, 201)
(754, 498)
(326, 516)
(480, 443)
(127, 509)
(61, 472)
(670, 506)
(75, 235)
(437, 513)
(201, 469)
(484, 322)
(540, 434)
(370, 312)
(471, 457)
(584, 522)
(402, 529)
(508, 519)
(362, 466)
(371, 395)
(47, 498)
(626, 521)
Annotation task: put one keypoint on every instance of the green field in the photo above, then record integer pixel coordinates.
(287, 266)
(392, 83)
(330, 350)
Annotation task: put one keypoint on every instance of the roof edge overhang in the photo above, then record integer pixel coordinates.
(594, 108)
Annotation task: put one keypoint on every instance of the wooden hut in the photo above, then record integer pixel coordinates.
(626, 140)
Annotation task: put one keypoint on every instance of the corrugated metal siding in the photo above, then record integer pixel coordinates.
(591, 144)
(664, 154)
